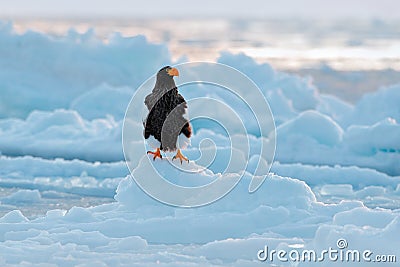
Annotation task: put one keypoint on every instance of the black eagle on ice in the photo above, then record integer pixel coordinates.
(166, 120)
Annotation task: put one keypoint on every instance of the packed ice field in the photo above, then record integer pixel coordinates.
(68, 199)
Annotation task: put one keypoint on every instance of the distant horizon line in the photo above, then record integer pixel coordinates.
(195, 17)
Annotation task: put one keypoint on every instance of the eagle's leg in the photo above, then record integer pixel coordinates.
(157, 154)
(180, 156)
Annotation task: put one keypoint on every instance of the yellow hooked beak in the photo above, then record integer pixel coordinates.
(173, 72)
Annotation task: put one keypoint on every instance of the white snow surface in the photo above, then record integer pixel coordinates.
(336, 172)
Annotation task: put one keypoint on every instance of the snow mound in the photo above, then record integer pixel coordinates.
(382, 137)
(59, 69)
(103, 101)
(363, 216)
(335, 108)
(62, 134)
(39, 167)
(284, 214)
(377, 106)
(22, 196)
(310, 124)
(301, 93)
(14, 216)
(320, 175)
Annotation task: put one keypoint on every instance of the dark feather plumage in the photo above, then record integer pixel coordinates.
(166, 106)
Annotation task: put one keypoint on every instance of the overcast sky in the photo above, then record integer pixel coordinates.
(202, 8)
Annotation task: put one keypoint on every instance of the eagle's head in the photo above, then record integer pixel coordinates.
(165, 79)
(167, 73)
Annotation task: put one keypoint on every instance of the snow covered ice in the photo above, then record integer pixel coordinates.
(67, 198)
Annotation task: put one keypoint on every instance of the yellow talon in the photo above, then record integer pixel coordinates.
(180, 156)
(157, 154)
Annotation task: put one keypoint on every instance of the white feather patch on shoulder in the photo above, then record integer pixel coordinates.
(186, 114)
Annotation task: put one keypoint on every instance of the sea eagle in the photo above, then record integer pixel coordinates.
(166, 120)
